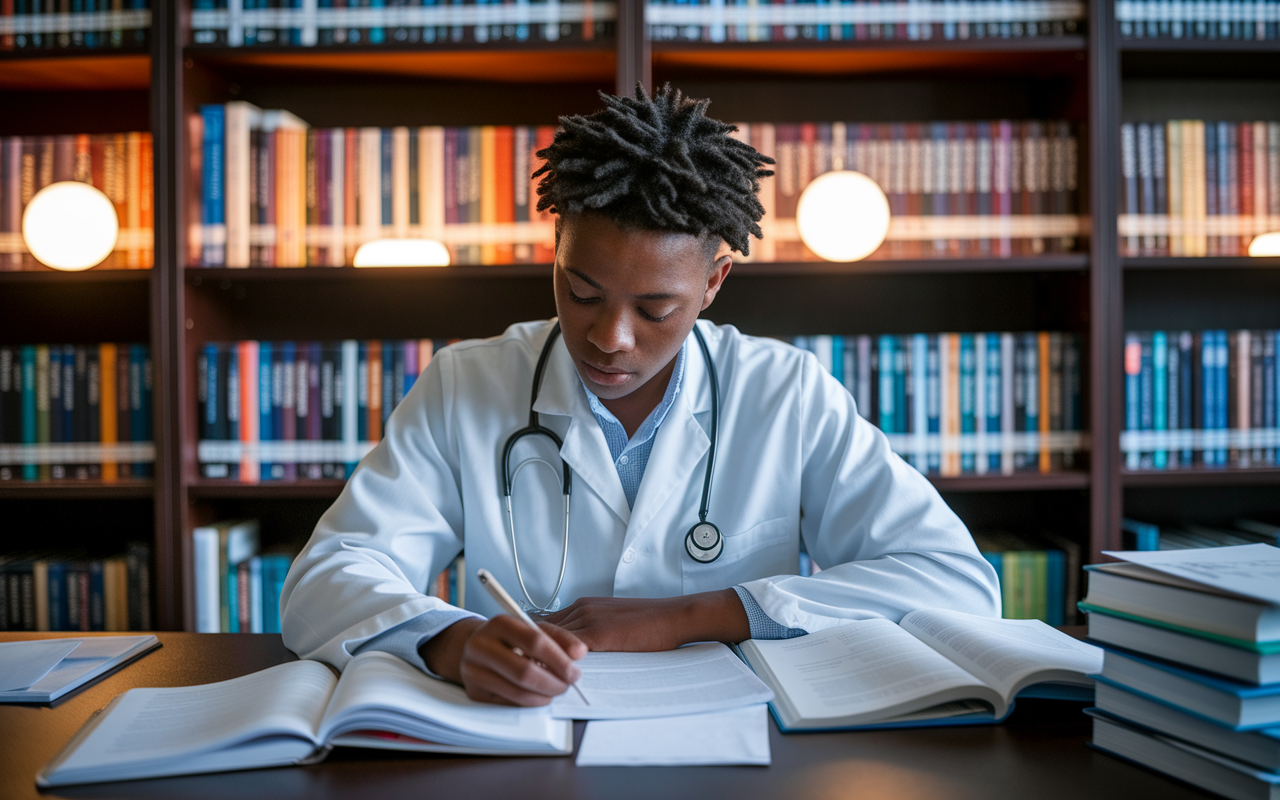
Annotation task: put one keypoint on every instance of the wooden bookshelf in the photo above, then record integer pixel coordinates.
(1090, 80)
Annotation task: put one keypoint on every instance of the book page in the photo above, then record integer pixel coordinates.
(155, 725)
(1252, 570)
(380, 692)
(1006, 654)
(860, 668)
(692, 679)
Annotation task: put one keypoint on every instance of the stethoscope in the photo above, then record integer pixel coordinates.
(703, 542)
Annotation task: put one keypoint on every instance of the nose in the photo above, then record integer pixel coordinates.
(612, 332)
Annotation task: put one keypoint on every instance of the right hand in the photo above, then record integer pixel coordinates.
(503, 660)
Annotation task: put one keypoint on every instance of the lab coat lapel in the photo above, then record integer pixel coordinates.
(678, 447)
(584, 448)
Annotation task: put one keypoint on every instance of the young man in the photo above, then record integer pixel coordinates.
(653, 199)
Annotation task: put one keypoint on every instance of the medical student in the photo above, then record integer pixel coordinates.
(653, 544)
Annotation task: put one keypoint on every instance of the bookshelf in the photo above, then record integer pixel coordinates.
(1092, 80)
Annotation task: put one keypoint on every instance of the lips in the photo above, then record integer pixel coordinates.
(605, 377)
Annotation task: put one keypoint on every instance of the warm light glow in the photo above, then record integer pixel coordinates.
(70, 225)
(843, 216)
(1266, 244)
(402, 253)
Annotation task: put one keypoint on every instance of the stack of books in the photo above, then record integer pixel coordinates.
(299, 410)
(1190, 683)
(75, 412)
(33, 25)
(119, 164)
(1205, 19)
(1141, 535)
(965, 403)
(249, 23)
(40, 593)
(1200, 399)
(1197, 188)
(824, 20)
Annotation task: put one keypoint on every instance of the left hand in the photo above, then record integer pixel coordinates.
(637, 625)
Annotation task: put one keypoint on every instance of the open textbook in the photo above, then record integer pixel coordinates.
(293, 714)
(934, 668)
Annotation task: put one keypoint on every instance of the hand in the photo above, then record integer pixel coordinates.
(634, 625)
(504, 661)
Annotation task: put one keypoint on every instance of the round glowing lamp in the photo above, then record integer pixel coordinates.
(843, 216)
(1266, 244)
(70, 226)
(402, 253)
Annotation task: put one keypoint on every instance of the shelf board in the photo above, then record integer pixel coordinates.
(56, 277)
(1182, 478)
(76, 490)
(1035, 54)
(1202, 262)
(23, 70)
(1161, 45)
(1063, 262)
(1018, 482)
(272, 490)
(535, 63)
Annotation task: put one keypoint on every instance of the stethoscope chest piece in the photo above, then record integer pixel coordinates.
(704, 542)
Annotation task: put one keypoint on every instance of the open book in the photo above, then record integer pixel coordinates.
(935, 668)
(293, 714)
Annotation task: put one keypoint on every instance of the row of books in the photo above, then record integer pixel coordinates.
(75, 412)
(1202, 398)
(1139, 535)
(237, 589)
(291, 23)
(267, 190)
(38, 593)
(299, 410)
(120, 164)
(1196, 188)
(1191, 675)
(1038, 574)
(88, 24)
(1256, 20)
(966, 403)
(860, 20)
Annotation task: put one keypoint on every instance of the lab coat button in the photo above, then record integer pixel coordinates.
(629, 556)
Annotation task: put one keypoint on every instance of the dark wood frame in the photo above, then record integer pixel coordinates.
(184, 305)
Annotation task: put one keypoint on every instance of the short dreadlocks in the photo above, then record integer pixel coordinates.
(655, 163)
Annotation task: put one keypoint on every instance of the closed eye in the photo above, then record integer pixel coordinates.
(584, 300)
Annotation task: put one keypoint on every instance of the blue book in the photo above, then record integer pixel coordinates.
(377, 35)
(1269, 390)
(389, 351)
(920, 397)
(1231, 703)
(1208, 389)
(1030, 346)
(934, 403)
(213, 209)
(266, 428)
(1132, 393)
(901, 407)
(1146, 398)
(994, 396)
(1160, 393)
(837, 359)
(56, 403)
(387, 179)
(888, 418)
(1140, 535)
(56, 576)
(275, 567)
(1225, 163)
(1186, 392)
(968, 399)
(140, 402)
(30, 471)
(362, 393)
(1055, 587)
(1221, 394)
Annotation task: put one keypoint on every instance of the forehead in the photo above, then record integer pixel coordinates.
(632, 260)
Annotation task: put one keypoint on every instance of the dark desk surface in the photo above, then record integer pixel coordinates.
(1038, 753)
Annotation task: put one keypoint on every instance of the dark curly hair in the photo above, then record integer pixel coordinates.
(655, 163)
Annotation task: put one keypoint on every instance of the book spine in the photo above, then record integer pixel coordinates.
(1159, 397)
(968, 402)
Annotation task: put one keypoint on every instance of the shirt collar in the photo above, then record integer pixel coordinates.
(650, 425)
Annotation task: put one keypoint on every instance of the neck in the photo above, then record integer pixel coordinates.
(633, 409)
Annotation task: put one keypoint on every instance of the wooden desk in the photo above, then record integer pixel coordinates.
(1038, 753)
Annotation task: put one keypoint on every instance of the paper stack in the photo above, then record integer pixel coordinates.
(1190, 683)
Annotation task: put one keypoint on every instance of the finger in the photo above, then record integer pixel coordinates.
(522, 670)
(486, 686)
(537, 645)
(572, 646)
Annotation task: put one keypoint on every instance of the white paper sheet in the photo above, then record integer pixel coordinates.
(24, 663)
(737, 736)
(690, 680)
(1252, 570)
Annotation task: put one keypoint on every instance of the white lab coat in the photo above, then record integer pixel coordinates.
(794, 460)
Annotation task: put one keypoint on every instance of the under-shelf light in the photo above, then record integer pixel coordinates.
(1265, 244)
(843, 216)
(70, 226)
(402, 253)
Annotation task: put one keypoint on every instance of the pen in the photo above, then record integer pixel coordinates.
(510, 606)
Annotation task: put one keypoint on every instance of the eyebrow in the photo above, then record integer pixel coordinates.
(651, 296)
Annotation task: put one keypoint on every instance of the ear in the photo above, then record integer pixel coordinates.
(724, 263)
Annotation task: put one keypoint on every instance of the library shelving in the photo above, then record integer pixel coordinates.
(1090, 80)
